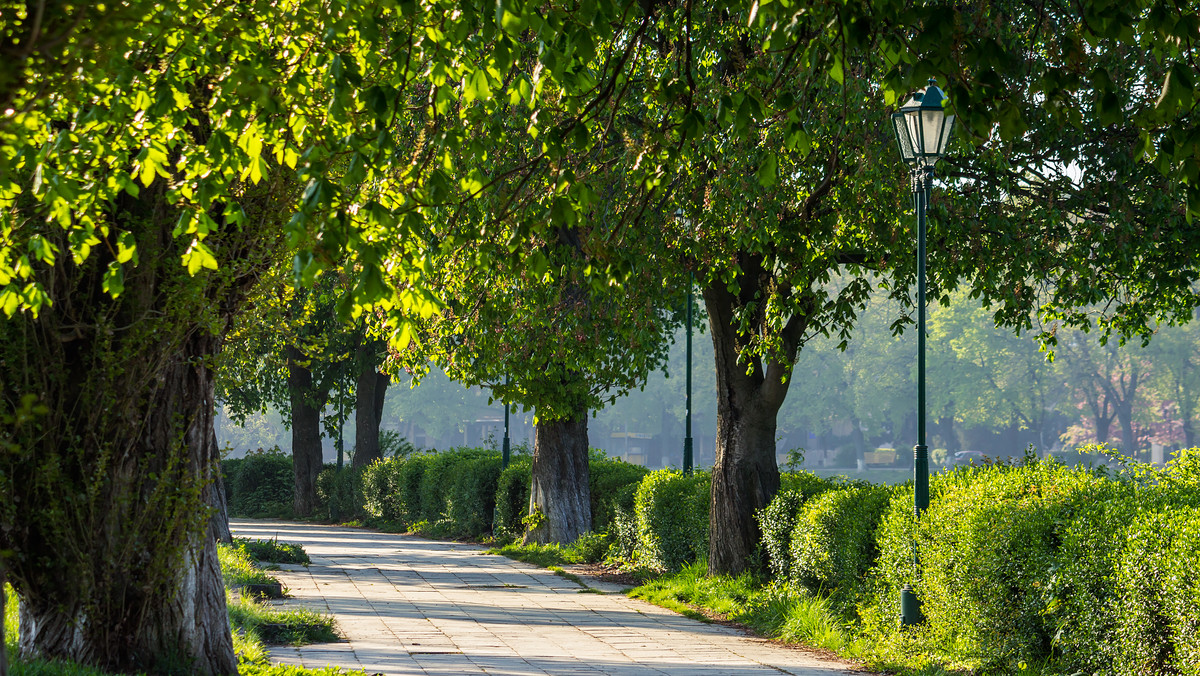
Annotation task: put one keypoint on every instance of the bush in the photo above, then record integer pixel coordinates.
(379, 491)
(470, 493)
(778, 519)
(260, 485)
(273, 551)
(406, 481)
(833, 544)
(990, 548)
(611, 484)
(340, 494)
(672, 519)
(1158, 595)
(512, 497)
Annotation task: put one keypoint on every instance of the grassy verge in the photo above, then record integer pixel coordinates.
(294, 626)
(237, 568)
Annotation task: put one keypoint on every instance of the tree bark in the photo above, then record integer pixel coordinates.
(220, 517)
(370, 390)
(111, 598)
(307, 455)
(745, 476)
(559, 486)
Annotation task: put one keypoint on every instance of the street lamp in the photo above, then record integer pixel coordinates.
(922, 132)
(687, 437)
(506, 449)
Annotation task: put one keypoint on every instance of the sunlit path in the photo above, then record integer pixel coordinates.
(412, 606)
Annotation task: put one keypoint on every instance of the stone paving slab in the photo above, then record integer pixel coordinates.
(409, 606)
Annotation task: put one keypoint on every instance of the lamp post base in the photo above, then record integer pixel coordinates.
(910, 608)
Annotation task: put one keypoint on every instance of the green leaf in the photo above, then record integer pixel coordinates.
(113, 282)
(768, 171)
(836, 72)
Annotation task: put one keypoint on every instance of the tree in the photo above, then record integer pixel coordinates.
(211, 101)
(290, 351)
(553, 342)
(1175, 352)
(999, 377)
(1110, 379)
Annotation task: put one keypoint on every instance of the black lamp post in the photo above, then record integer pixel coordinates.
(687, 437)
(506, 449)
(922, 132)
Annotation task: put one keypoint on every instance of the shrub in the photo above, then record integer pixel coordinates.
(260, 485)
(1158, 595)
(470, 493)
(273, 551)
(451, 477)
(611, 484)
(512, 497)
(989, 546)
(381, 494)
(672, 519)
(778, 519)
(406, 482)
(833, 544)
(340, 494)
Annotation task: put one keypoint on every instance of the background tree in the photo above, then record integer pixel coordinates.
(548, 339)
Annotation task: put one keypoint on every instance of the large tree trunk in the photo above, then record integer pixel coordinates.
(370, 390)
(120, 567)
(559, 489)
(745, 476)
(307, 455)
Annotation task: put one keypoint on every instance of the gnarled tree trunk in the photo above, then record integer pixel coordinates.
(112, 470)
(559, 489)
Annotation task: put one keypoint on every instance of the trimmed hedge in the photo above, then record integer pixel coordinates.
(671, 512)
(340, 495)
(259, 485)
(1076, 569)
(777, 520)
(833, 544)
(512, 496)
(612, 484)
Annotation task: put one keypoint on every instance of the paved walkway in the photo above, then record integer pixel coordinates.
(406, 605)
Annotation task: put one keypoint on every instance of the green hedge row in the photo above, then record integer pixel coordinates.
(1074, 570)
(259, 485)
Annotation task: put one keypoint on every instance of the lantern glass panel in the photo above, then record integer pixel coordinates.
(903, 140)
(931, 128)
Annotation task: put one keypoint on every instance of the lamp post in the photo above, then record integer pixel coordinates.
(922, 131)
(506, 448)
(687, 437)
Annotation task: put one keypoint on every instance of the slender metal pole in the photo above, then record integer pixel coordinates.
(506, 449)
(687, 439)
(341, 420)
(910, 605)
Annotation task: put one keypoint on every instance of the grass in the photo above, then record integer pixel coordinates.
(539, 555)
(273, 551)
(772, 610)
(589, 548)
(237, 568)
(294, 626)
